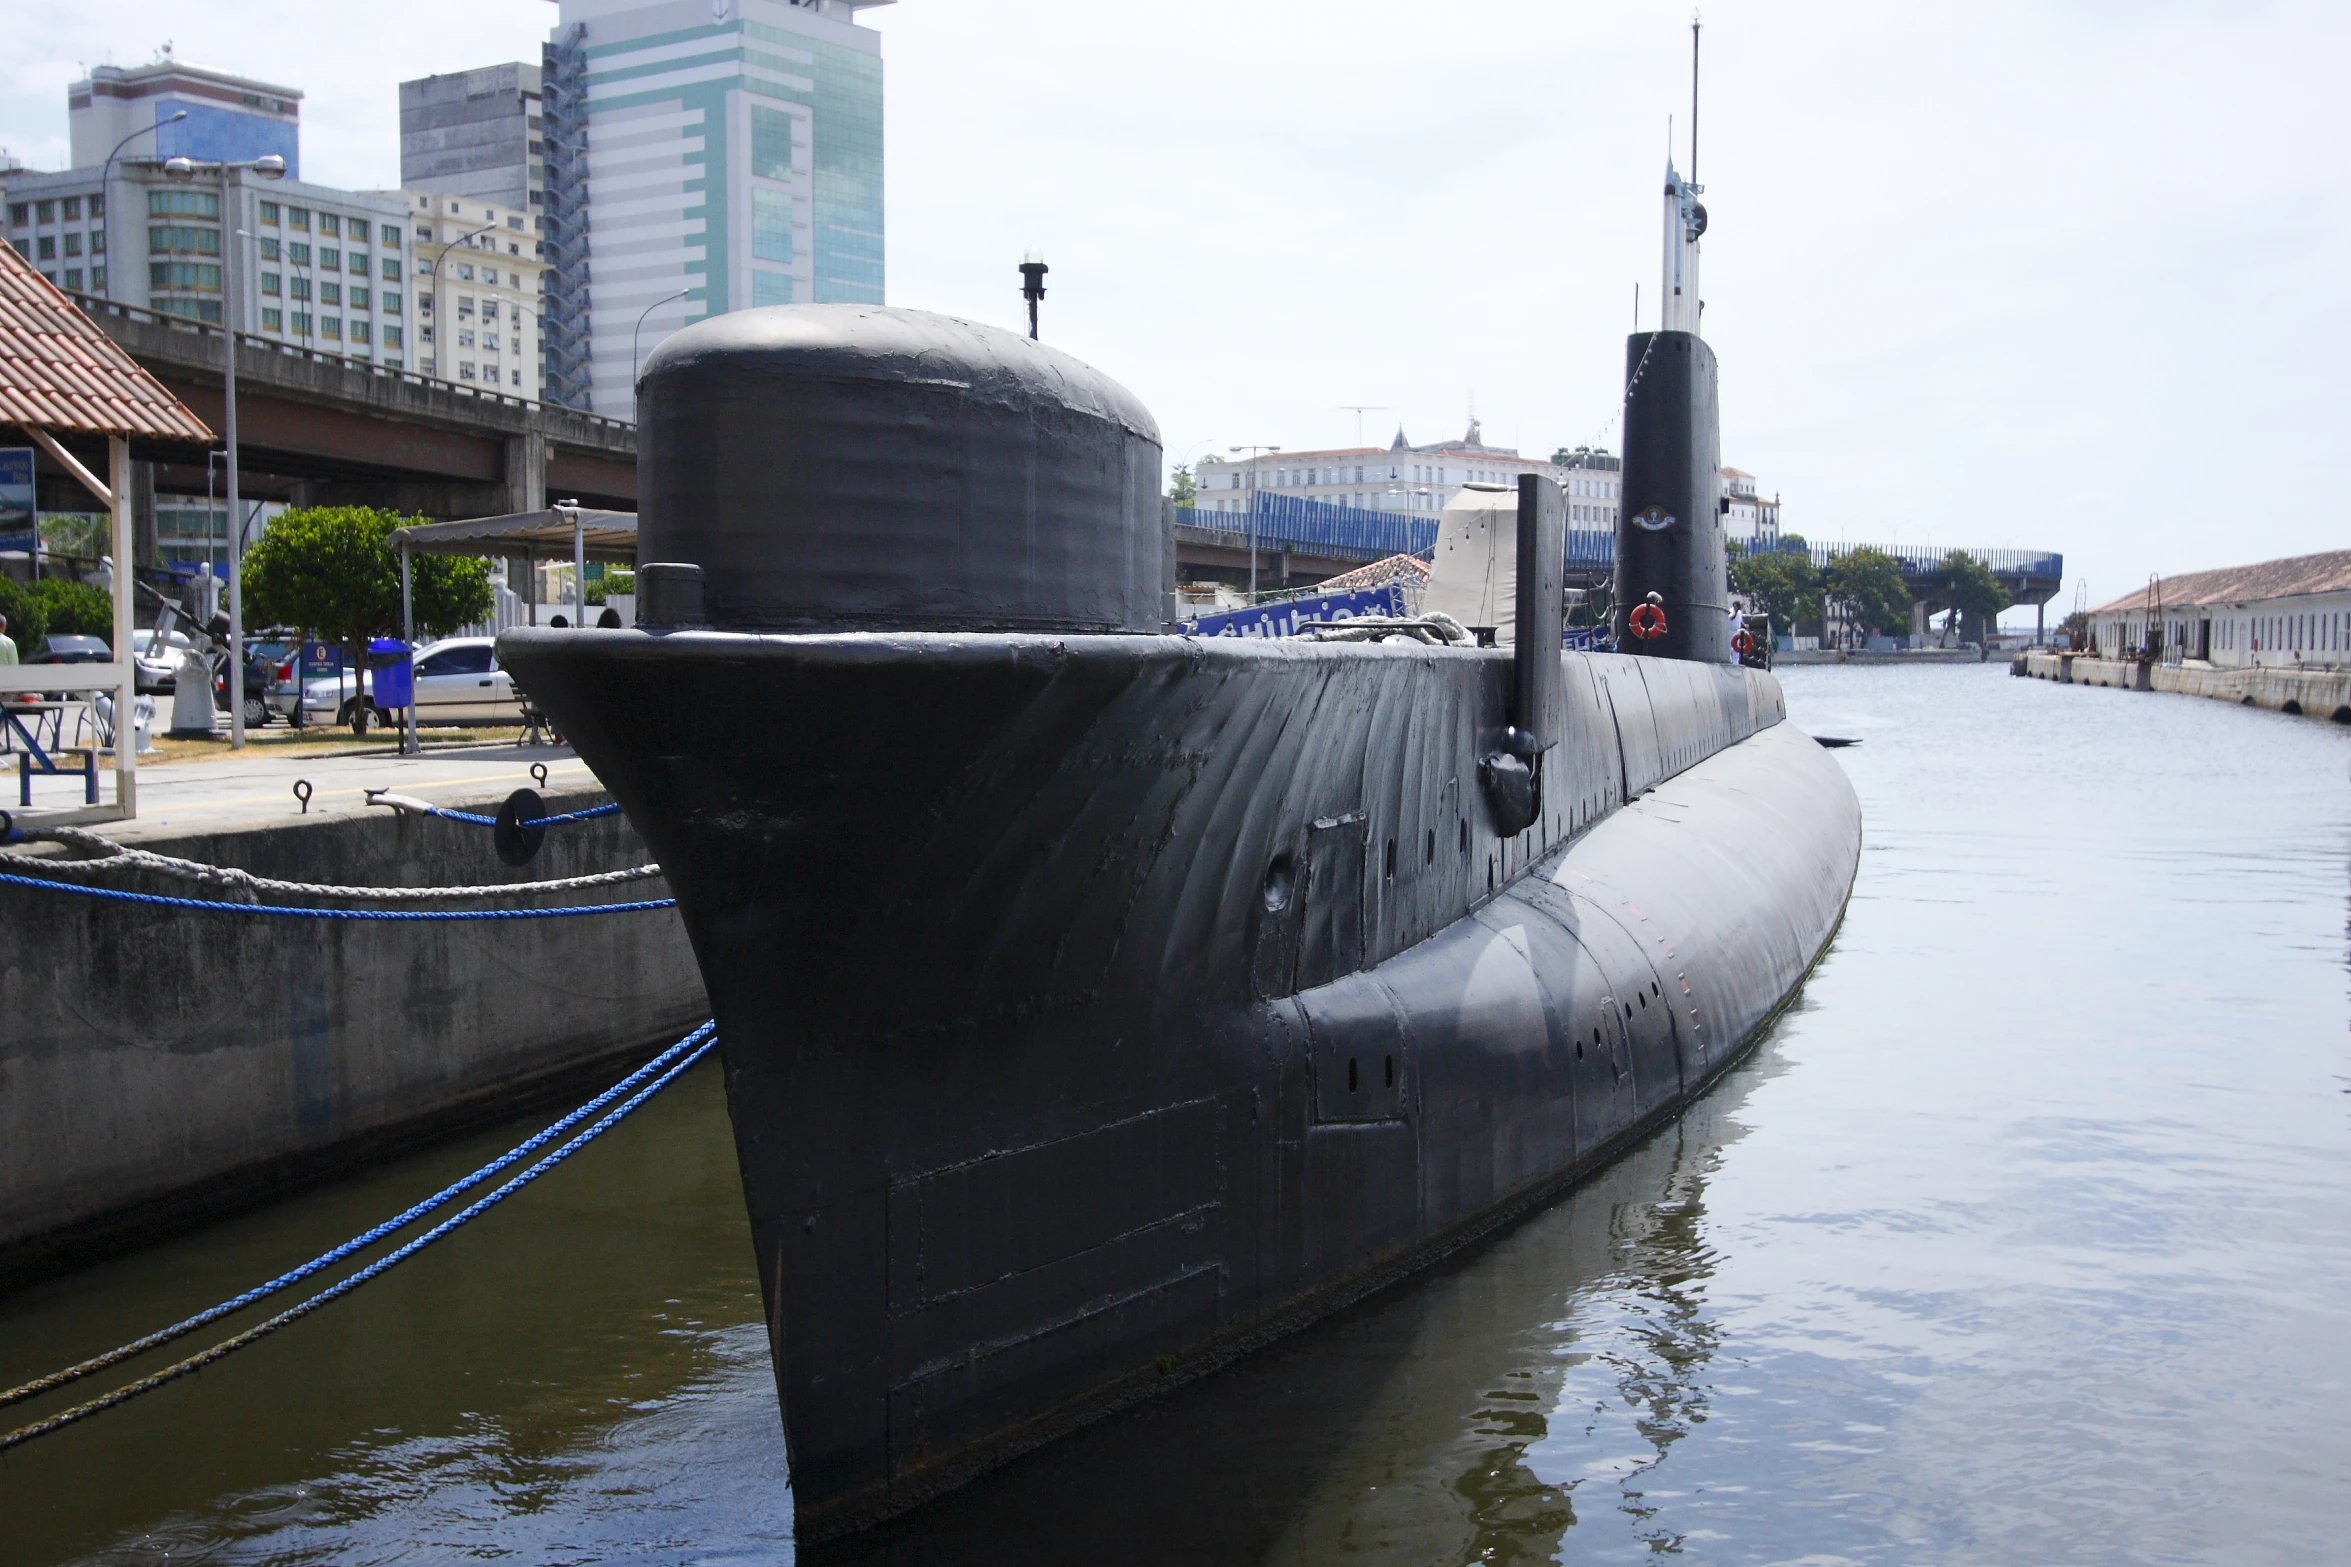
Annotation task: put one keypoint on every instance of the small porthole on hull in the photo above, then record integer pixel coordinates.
(1465, 835)
(1391, 859)
(1432, 854)
(1350, 1074)
(1388, 1070)
(1281, 881)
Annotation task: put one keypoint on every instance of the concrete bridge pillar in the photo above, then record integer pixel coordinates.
(525, 471)
(1918, 617)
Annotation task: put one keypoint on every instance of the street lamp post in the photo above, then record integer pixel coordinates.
(1254, 452)
(106, 188)
(636, 357)
(271, 167)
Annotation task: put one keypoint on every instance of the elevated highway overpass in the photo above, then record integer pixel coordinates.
(316, 428)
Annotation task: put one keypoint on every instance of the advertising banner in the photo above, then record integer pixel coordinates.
(16, 499)
(1291, 616)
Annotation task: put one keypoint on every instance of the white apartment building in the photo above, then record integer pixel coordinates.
(734, 159)
(479, 282)
(1750, 516)
(1409, 478)
(322, 268)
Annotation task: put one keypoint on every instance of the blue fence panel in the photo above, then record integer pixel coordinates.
(1291, 522)
(1294, 615)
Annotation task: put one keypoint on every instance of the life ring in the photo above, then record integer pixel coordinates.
(1647, 622)
(1742, 644)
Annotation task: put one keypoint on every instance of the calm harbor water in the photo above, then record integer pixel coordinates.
(2022, 1238)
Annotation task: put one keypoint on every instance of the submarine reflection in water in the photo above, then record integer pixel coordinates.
(1099, 1004)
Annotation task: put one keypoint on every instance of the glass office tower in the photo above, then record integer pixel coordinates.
(733, 157)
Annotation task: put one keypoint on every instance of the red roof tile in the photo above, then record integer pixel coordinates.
(57, 370)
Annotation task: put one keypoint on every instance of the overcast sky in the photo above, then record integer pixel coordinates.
(2067, 275)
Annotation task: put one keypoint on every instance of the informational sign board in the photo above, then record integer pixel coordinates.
(17, 531)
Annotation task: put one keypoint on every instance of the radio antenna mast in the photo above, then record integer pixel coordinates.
(1694, 24)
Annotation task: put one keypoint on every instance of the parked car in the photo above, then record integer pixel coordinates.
(261, 667)
(57, 648)
(457, 681)
(156, 662)
(318, 661)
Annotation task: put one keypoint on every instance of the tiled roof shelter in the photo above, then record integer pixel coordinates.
(59, 372)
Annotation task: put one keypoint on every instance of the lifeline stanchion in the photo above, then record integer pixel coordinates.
(357, 1243)
(209, 905)
(254, 1334)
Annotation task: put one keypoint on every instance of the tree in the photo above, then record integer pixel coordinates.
(331, 570)
(1181, 488)
(1781, 583)
(1868, 583)
(1976, 594)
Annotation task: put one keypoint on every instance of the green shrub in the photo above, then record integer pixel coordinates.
(76, 608)
(28, 617)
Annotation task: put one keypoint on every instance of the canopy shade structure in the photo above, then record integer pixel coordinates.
(579, 532)
(59, 373)
(607, 536)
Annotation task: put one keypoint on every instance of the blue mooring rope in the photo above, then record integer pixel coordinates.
(215, 906)
(480, 820)
(701, 1043)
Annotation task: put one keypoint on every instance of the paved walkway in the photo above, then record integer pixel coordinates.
(251, 788)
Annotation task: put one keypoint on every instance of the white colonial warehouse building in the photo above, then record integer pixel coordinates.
(2286, 613)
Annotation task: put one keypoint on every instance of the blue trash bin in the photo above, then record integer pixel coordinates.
(391, 673)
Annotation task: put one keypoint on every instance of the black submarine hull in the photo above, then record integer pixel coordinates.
(1095, 1008)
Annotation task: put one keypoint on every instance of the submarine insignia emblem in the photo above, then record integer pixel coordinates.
(1656, 519)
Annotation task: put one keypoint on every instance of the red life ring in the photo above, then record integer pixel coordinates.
(1647, 622)
(1742, 644)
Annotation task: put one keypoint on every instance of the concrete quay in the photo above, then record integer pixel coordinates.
(1839, 655)
(2316, 693)
(162, 1066)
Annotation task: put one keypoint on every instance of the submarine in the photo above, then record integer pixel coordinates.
(1098, 1003)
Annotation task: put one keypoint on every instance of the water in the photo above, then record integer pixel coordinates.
(2021, 1239)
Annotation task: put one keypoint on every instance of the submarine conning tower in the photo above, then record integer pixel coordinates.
(835, 468)
(1669, 536)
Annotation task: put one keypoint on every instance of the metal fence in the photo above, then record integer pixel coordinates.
(1290, 522)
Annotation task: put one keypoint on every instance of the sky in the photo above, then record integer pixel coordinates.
(2060, 275)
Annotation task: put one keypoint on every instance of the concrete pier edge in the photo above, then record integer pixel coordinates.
(2311, 693)
(165, 1068)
